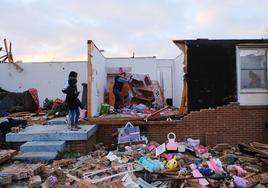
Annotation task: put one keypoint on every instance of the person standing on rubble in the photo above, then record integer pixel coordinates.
(119, 80)
(72, 101)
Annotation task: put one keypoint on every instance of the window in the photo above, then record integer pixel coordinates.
(253, 68)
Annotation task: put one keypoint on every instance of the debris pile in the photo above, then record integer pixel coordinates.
(171, 164)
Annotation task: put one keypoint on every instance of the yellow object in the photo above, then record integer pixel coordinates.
(172, 163)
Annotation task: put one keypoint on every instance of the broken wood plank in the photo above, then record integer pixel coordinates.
(90, 46)
(6, 155)
(5, 179)
(259, 145)
(23, 170)
(252, 150)
(84, 183)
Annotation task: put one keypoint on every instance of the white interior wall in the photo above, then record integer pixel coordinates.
(48, 78)
(165, 76)
(153, 66)
(146, 65)
(178, 75)
(99, 80)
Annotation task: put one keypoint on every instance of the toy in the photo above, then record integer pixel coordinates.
(172, 164)
(172, 145)
(149, 164)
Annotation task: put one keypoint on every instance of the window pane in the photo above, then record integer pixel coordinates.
(254, 79)
(252, 59)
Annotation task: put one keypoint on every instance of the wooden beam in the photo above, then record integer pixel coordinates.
(89, 78)
(8, 55)
(123, 122)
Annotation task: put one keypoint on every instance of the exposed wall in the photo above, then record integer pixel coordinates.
(48, 78)
(155, 67)
(146, 65)
(178, 79)
(230, 124)
(99, 78)
(165, 76)
(211, 74)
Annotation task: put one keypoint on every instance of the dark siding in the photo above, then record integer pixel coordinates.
(211, 73)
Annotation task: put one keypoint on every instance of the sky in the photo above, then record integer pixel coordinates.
(58, 30)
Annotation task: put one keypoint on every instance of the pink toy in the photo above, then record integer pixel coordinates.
(172, 145)
(167, 157)
(151, 147)
(196, 174)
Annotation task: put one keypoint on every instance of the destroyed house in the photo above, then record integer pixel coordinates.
(219, 87)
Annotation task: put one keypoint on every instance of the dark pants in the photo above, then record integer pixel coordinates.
(74, 116)
(118, 99)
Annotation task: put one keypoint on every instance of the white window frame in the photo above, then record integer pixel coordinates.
(249, 47)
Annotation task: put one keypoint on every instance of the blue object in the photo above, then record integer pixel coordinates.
(204, 171)
(149, 164)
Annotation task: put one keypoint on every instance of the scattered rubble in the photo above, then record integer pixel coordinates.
(171, 164)
(6, 155)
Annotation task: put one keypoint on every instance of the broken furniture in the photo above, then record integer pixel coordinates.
(146, 91)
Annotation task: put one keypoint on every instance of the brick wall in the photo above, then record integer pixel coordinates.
(230, 124)
(81, 146)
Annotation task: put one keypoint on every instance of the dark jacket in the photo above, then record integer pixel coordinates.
(72, 94)
(119, 82)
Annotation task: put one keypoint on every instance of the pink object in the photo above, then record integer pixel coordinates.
(214, 166)
(121, 70)
(240, 170)
(201, 150)
(203, 181)
(210, 165)
(172, 145)
(83, 113)
(167, 157)
(151, 147)
(34, 94)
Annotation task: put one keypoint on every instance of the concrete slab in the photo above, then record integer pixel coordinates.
(57, 121)
(43, 146)
(36, 156)
(52, 133)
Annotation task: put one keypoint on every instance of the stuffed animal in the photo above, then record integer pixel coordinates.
(172, 164)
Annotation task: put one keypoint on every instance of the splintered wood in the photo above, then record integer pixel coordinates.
(22, 170)
(6, 155)
(5, 179)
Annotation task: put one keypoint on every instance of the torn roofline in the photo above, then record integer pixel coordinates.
(250, 41)
(138, 57)
(130, 57)
(41, 62)
(182, 43)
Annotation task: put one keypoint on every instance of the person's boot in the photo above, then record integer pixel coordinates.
(74, 128)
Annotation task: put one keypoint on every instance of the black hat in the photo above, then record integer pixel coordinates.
(73, 74)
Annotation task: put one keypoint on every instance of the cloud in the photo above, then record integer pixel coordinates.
(59, 30)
